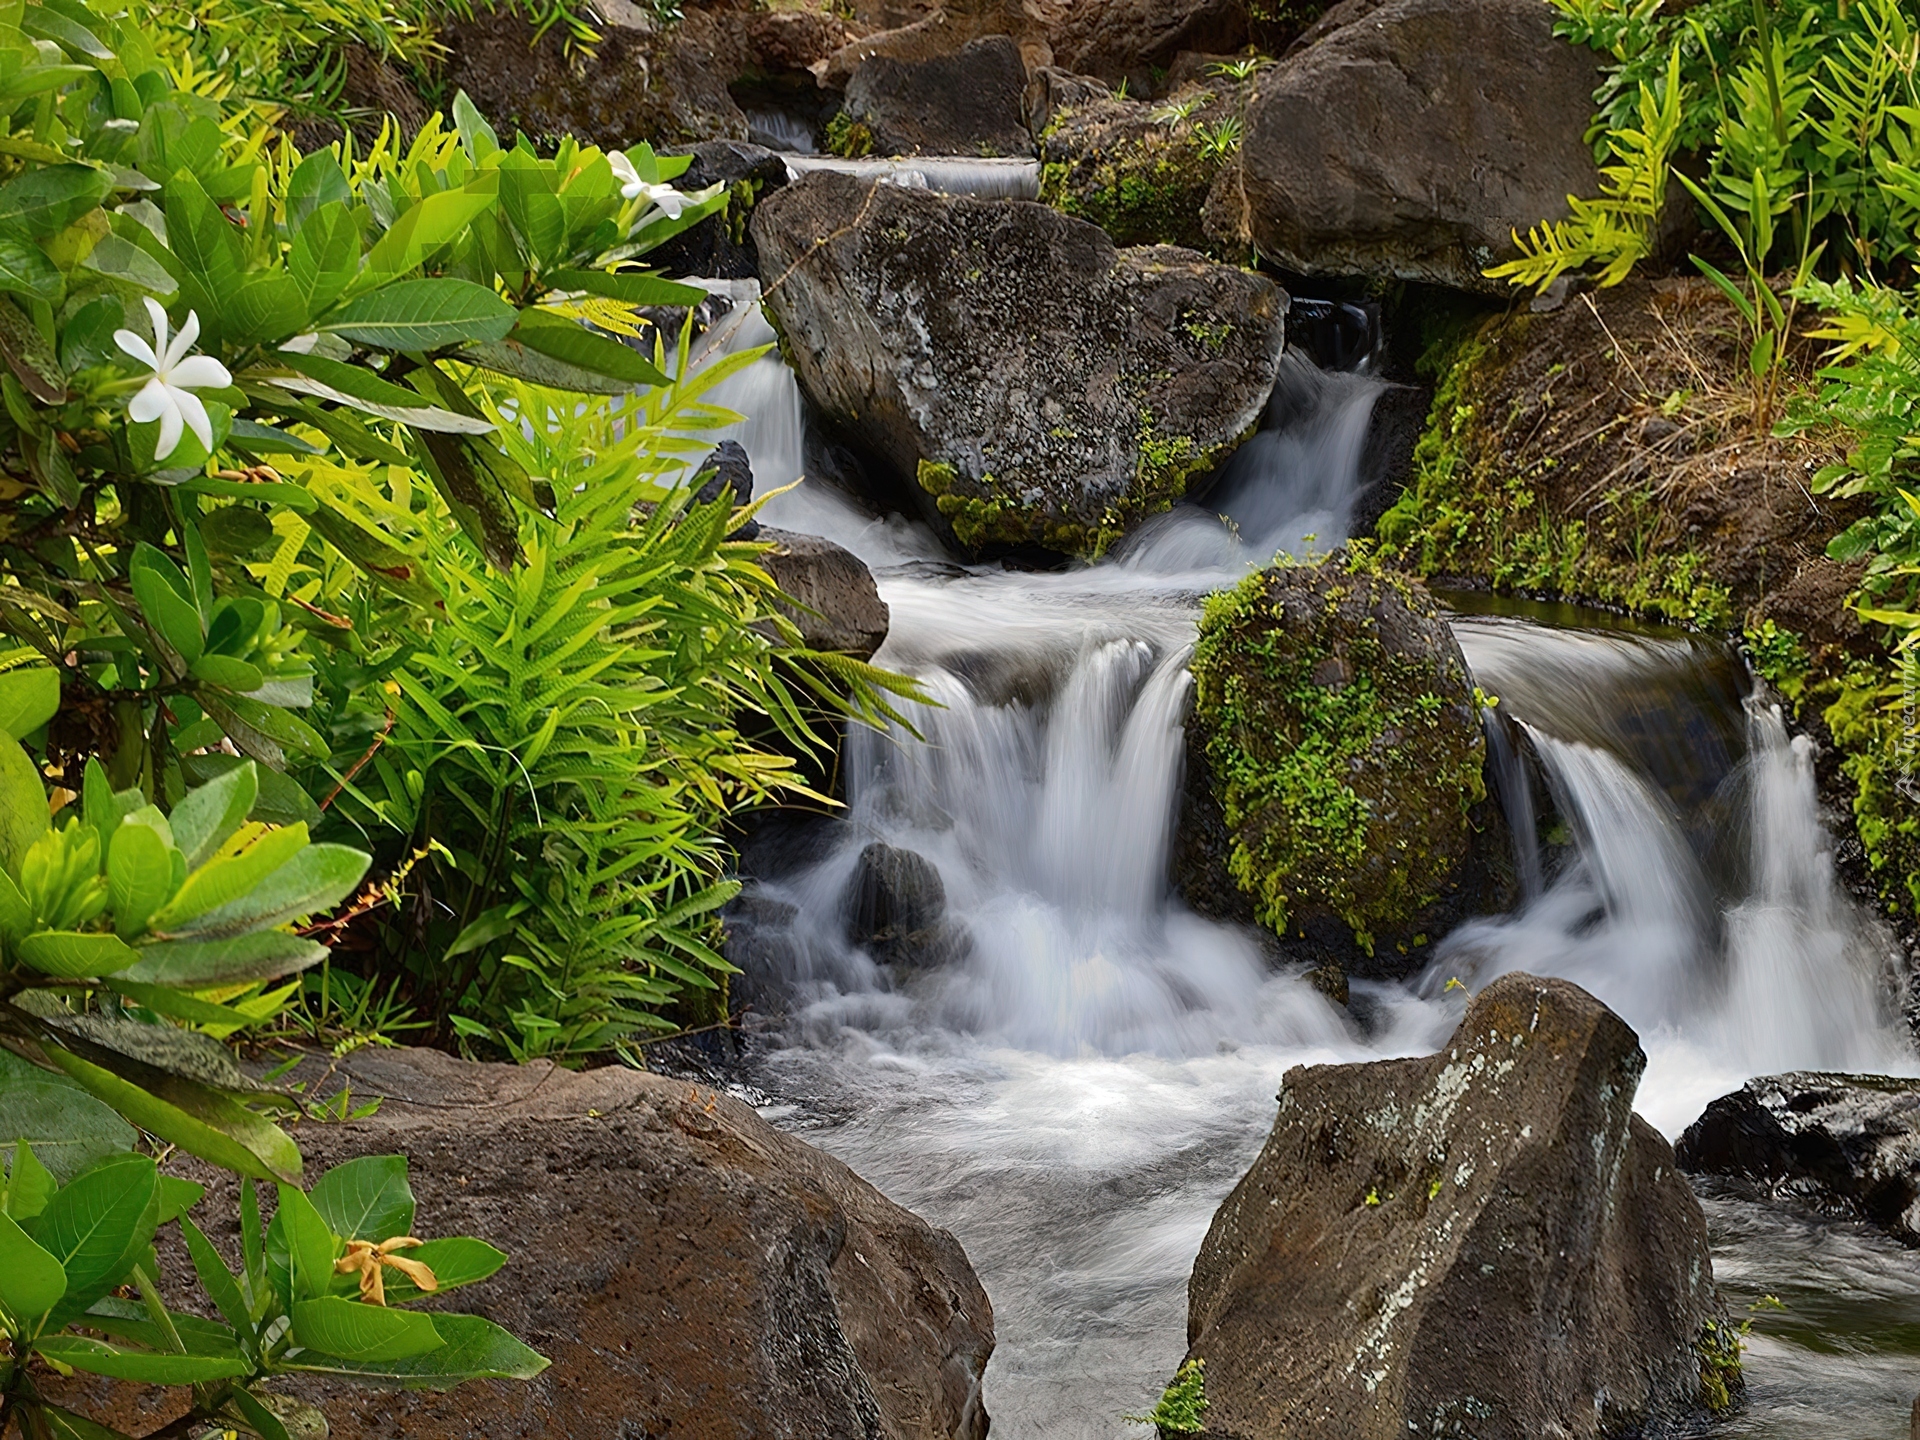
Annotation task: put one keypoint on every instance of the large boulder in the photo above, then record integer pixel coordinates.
(1343, 752)
(1415, 137)
(945, 31)
(1844, 1144)
(689, 1269)
(1130, 39)
(837, 605)
(1028, 382)
(895, 907)
(1485, 1242)
(662, 86)
(967, 103)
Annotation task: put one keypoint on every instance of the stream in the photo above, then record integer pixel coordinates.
(1077, 1089)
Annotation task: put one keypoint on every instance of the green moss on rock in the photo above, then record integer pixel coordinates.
(1344, 741)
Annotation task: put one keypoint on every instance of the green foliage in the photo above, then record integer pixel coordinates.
(1183, 1405)
(312, 1294)
(847, 137)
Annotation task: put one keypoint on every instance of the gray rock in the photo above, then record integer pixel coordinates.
(688, 1269)
(1412, 137)
(967, 103)
(1845, 1144)
(1040, 386)
(1130, 39)
(727, 471)
(1485, 1242)
(895, 907)
(839, 607)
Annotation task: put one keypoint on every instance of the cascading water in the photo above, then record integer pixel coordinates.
(1092, 1067)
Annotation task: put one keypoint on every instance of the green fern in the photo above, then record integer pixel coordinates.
(1616, 230)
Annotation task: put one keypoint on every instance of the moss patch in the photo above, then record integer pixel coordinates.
(1139, 172)
(1344, 741)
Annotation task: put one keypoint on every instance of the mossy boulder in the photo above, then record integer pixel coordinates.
(1027, 382)
(1142, 172)
(1341, 738)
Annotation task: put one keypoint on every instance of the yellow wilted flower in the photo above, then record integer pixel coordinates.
(368, 1260)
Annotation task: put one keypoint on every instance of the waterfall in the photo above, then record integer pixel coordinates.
(1082, 1076)
(984, 178)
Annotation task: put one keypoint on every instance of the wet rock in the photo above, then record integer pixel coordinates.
(663, 86)
(1485, 1242)
(1343, 750)
(729, 472)
(838, 605)
(689, 1269)
(1845, 1144)
(719, 247)
(895, 906)
(967, 103)
(1412, 137)
(1027, 382)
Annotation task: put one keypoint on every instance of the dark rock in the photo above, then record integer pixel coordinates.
(794, 40)
(1386, 460)
(1350, 813)
(689, 1269)
(1410, 138)
(729, 472)
(719, 247)
(1845, 1144)
(1130, 39)
(1041, 386)
(1330, 981)
(838, 607)
(945, 31)
(1485, 1242)
(967, 103)
(663, 86)
(895, 906)
(1051, 90)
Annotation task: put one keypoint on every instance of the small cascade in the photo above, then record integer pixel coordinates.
(1073, 1084)
(983, 177)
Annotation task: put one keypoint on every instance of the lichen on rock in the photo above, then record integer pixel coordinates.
(1344, 742)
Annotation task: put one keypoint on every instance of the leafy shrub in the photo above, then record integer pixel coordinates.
(318, 1292)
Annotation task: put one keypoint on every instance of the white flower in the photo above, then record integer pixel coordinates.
(166, 396)
(632, 187)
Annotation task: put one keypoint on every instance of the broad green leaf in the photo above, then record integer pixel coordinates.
(16, 911)
(474, 131)
(98, 1223)
(23, 804)
(569, 341)
(166, 601)
(316, 879)
(228, 878)
(366, 1199)
(475, 494)
(220, 1129)
(178, 1196)
(631, 286)
(435, 221)
(266, 307)
(139, 876)
(36, 365)
(362, 389)
(203, 241)
(124, 1320)
(268, 1425)
(258, 439)
(218, 1020)
(474, 1349)
(30, 1185)
(121, 259)
(326, 253)
(31, 1280)
(209, 964)
(265, 732)
(522, 362)
(67, 1128)
(75, 955)
(58, 1424)
(365, 1334)
(455, 1261)
(37, 80)
(423, 315)
(300, 1248)
(150, 1366)
(28, 698)
(44, 202)
(203, 821)
(316, 182)
(25, 269)
(47, 23)
(216, 1279)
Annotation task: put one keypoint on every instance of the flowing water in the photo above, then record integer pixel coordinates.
(1077, 1089)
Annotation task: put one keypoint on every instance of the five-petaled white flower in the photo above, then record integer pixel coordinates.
(632, 187)
(167, 396)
